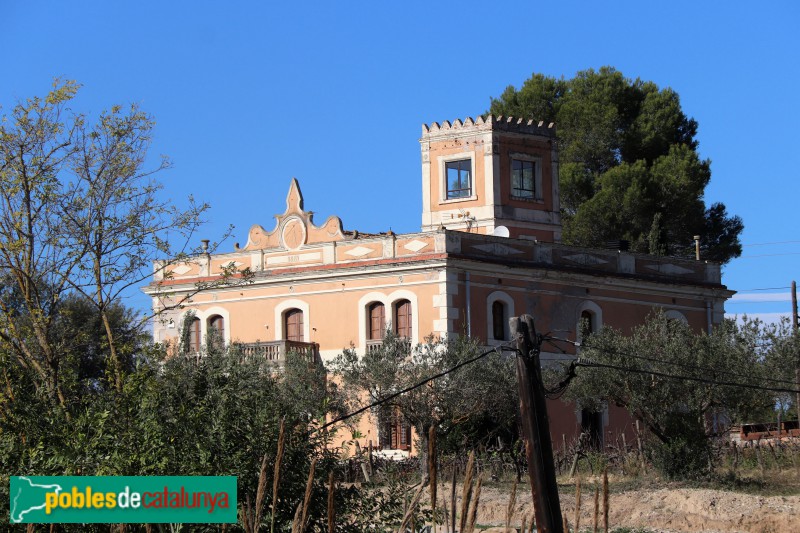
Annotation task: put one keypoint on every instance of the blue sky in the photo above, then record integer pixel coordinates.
(248, 94)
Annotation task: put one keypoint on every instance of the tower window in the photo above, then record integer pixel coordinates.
(459, 178)
(523, 178)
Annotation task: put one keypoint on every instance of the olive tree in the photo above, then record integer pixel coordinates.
(470, 405)
(677, 382)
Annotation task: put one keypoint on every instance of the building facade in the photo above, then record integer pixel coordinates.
(489, 249)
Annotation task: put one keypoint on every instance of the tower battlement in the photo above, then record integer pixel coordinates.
(489, 123)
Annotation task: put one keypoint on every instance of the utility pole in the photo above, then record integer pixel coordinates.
(797, 363)
(535, 425)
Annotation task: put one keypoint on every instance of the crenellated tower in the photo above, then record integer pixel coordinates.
(495, 175)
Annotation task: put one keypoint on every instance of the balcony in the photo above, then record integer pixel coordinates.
(276, 351)
(373, 345)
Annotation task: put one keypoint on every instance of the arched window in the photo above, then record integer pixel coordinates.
(677, 316)
(193, 336)
(499, 320)
(216, 330)
(377, 321)
(403, 319)
(587, 323)
(589, 320)
(293, 325)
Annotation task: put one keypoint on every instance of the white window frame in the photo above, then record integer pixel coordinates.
(280, 311)
(442, 161)
(597, 318)
(672, 314)
(508, 303)
(363, 312)
(204, 315)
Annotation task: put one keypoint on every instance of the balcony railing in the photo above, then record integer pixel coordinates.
(276, 351)
(375, 344)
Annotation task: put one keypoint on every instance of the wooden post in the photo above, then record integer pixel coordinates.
(536, 428)
(370, 458)
(797, 363)
(639, 445)
(577, 506)
(453, 501)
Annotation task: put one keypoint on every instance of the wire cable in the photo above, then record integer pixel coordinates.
(677, 363)
(589, 363)
(770, 243)
(409, 389)
(761, 289)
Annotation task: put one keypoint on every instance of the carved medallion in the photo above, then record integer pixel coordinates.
(294, 234)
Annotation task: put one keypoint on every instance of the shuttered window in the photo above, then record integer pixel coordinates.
(377, 321)
(498, 321)
(293, 325)
(402, 319)
(395, 432)
(194, 336)
(216, 330)
(587, 325)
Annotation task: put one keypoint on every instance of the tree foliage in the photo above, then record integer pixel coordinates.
(685, 387)
(629, 164)
(80, 213)
(217, 414)
(470, 406)
(83, 390)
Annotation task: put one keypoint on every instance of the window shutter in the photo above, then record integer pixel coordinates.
(403, 319)
(377, 321)
(293, 325)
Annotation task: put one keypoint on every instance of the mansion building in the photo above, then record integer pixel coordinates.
(488, 249)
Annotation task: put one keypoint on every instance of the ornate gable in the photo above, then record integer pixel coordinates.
(295, 228)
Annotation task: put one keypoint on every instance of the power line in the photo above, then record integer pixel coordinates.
(770, 243)
(412, 387)
(750, 302)
(762, 289)
(590, 363)
(767, 255)
(580, 361)
(676, 363)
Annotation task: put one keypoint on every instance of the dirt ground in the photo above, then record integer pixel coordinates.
(655, 508)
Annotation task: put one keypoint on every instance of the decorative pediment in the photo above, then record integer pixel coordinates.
(295, 228)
